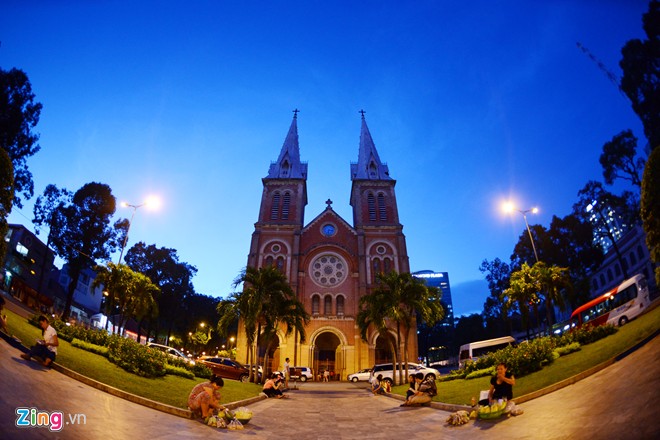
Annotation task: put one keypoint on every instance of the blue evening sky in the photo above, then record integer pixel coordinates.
(469, 103)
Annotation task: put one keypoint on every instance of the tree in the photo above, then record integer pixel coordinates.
(650, 210)
(551, 281)
(19, 114)
(6, 198)
(265, 302)
(640, 64)
(374, 312)
(523, 291)
(496, 312)
(599, 206)
(82, 233)
(619, 159)
(174, 279)
(130, 293)
(409, 297)
(47, 209)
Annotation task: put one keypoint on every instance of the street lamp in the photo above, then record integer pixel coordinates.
(151, 202)
(509, 207)
(231, 340)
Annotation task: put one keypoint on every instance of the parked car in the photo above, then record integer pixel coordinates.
(302, 374)
(363, 374)
(413, 368)
(173, 352)
(226, 368)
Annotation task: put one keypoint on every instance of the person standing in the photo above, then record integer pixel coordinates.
(287, 373)
(46, 348)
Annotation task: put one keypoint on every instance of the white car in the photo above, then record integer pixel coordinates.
(173, 352)
(363, 374)
(413, 368)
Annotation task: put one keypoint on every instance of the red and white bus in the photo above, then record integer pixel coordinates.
(616, 307)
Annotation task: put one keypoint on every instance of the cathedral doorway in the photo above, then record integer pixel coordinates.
(327, 356)
(383, 353)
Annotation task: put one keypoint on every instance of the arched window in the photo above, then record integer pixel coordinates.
(609, 275)
(280, 263)
(595, 284)
(376, 268)
(372, 170)
(285, 205)
(633, 260)
(269, 261)
(381, 208)
(602, 279)
(640, 252)
(315, 305)
(327, 305)
(340, 306)
(275, 208)
(387, 266)
(617, 269)
(371, 201)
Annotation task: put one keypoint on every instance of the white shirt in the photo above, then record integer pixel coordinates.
(49, 337)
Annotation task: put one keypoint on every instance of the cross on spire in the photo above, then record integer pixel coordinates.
(328, 202)
(362, 112)
(295, 113)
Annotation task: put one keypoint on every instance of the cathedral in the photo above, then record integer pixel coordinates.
(329, 262)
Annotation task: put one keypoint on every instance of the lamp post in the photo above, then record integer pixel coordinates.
(509, 207)
(150, 202)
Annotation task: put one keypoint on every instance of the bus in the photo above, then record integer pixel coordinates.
(438, 356)
(616, 307)
(475, 350)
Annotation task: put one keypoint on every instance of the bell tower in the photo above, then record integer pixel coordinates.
(381, 243)
(276, 237)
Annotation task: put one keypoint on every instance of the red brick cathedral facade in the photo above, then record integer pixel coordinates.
(329, 262)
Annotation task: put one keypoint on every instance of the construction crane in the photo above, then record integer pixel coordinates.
(608, 73)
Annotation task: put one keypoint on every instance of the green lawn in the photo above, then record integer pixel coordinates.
(460, 391)
(170, 389)
(173, 390)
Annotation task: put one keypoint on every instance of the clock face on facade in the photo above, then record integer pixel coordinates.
(328, 270)
(328, 230)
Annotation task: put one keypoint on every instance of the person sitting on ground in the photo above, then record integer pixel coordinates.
(272, 387)
(204, 398)
(46, 348)
(501, 385)
(3, 317)
(425, 392)
(377, 385)
(412, 383)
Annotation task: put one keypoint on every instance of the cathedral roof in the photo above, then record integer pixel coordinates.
(288, 165)
(368, 166)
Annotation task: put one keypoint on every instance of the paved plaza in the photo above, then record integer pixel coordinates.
(615, 403)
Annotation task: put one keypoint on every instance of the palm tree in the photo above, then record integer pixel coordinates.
(552, 280)
(131, 292)
(375, 310)
(266, 302)
(409, 298)
(523, 290)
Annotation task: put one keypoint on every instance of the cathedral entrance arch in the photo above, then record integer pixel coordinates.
(382, 351)
(328, 354)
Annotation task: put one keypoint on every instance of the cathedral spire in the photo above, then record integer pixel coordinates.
(288, 164)
(369, 166)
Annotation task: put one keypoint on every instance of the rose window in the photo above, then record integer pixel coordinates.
(328, 270)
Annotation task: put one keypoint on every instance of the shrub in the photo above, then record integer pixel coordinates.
(490, 371)
(98, 349)
(178, 371)
(586, 335)
(453, 375)
(136, 358)
(566, 349)
(201, 370)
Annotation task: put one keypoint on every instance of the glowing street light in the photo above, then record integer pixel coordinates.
(151, 202)
(509, 207)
